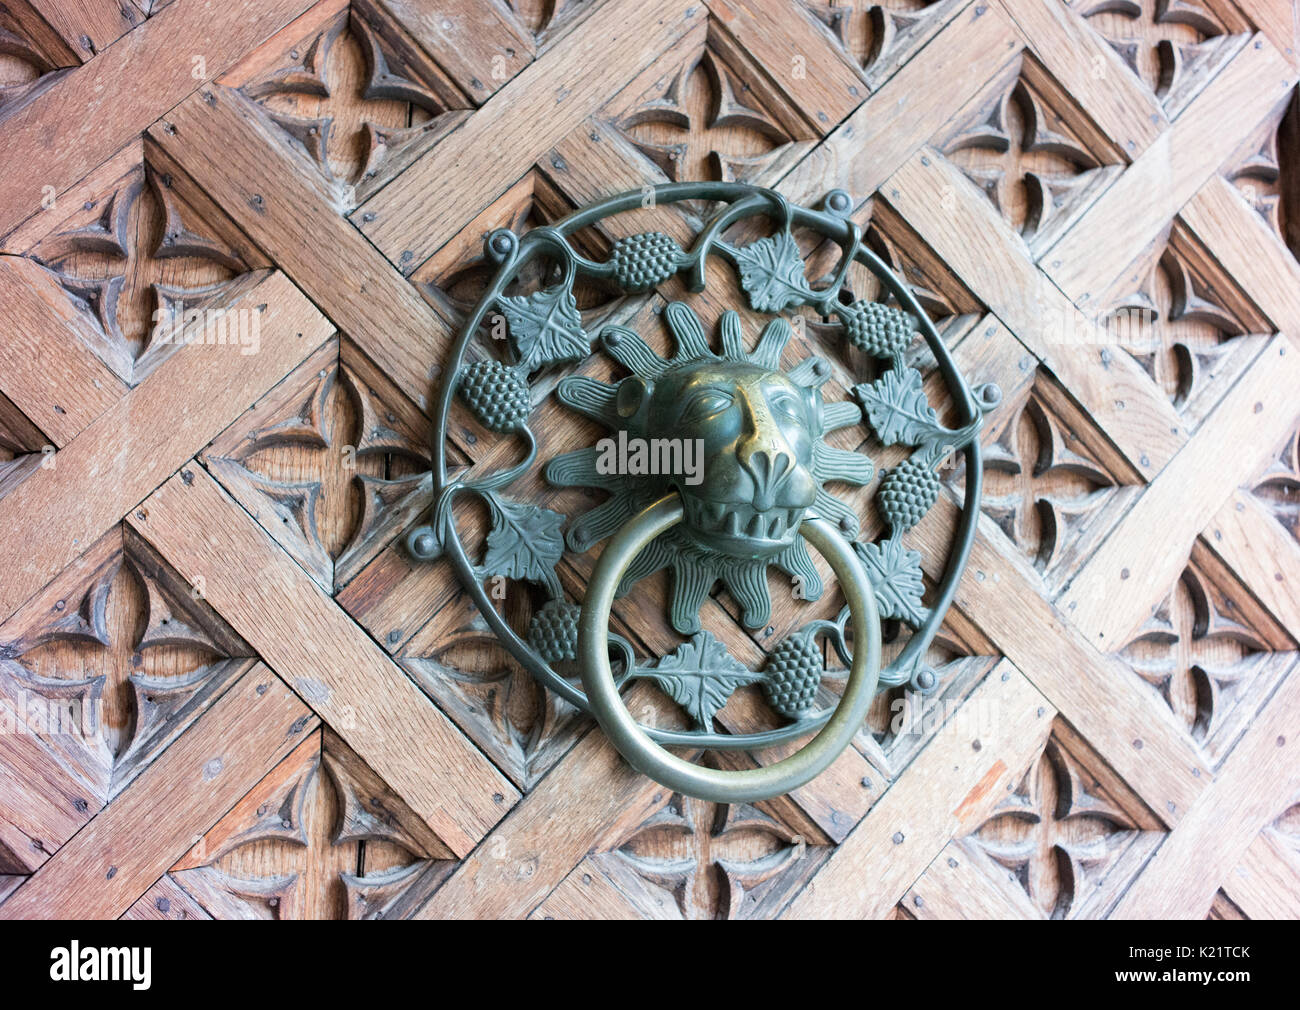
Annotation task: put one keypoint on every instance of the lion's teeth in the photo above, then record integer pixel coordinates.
(734, 524)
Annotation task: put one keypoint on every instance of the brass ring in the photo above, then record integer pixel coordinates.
(681, 776)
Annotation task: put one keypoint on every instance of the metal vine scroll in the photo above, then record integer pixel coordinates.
(759, 497)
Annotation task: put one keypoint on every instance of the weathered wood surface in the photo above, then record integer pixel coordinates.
(225, 692)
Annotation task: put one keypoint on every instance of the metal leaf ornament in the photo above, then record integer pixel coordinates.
(700, 676)
(898, 408)
(525, 542)
(895, 574)
(772, 273)
(746, 511)
(545, 327)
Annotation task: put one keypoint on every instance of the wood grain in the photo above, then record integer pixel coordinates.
(219, 137)
(65, 132)
(969, 234)
(331, 663)
(241, 737)
(1182, 878)
(1132, 212)
(545, 836)
(873, 867)
(1105, 601)
(909, 109)
(801, 60)
(1092, 73)
(48, 368)
(413, 216)
(145, 435)
(1113, 730)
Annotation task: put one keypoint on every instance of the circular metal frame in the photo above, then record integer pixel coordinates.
(513, 252)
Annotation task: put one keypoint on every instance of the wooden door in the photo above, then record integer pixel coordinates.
(226, 691)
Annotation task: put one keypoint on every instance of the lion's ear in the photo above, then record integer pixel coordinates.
(633, 396)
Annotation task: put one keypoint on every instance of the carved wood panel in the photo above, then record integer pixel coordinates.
(235, 245)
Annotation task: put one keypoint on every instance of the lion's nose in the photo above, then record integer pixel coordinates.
(769, 469)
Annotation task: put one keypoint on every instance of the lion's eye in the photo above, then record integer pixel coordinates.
(787, 404)
(705, 404)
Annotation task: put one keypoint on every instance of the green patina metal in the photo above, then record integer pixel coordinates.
(759, 490)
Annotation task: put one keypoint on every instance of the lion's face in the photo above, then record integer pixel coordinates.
(757, 429)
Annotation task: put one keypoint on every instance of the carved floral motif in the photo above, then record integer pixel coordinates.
(706, 124)
(24, 70)
(1279, 487)
(351, 104)
(1178, 323)
(1197, 650)
(125, 656)
(524, 727)
(140, 262)
(321, 837)
(881, 35)
(1058, 832)
(1169, 44)
(1042, 484)
(711, 856)
(1027, 160)
(332, 462)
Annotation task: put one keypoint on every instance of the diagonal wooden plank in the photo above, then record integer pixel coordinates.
(310, 641)
(32, 28)
(1249, 251)
(1107, 600)
(123, 454)
(799, 55)
(1092, 72)
(196, 780)
(66, 131)
(1132, 212)
(51, 374)
(955, 887)
(909, 109)
(1261, 553)
(245, 165)
(1187, 870)
(546, 835)
(1137, 736)
(415, 214)
(166, 900)
(89, 26)
(1277, 19)
(590, 892)
(968, 234)
(1265, 885)
(596, 161)
(41, 803)
(949, 789)
(476, 41)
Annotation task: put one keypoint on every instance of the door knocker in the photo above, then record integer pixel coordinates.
(756, 499)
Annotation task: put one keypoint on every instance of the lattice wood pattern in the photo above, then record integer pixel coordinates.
(226, 692)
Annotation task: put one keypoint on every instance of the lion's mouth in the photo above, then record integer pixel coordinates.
(743, 525)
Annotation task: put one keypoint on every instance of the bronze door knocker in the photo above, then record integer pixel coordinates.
(716, 467)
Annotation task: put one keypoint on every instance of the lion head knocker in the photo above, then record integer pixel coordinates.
(715, 467)
(758, 433)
